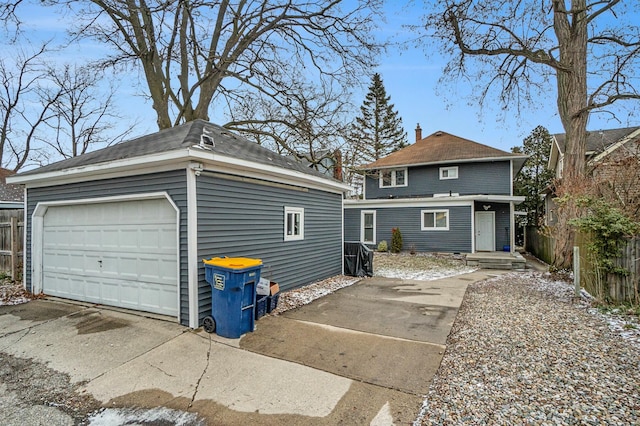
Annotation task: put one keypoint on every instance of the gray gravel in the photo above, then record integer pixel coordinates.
(523, 351)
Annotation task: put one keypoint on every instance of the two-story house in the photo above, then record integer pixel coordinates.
(444, 193)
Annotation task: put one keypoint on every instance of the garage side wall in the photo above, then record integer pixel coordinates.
(456, 240)
(172, 182)
(240, 217)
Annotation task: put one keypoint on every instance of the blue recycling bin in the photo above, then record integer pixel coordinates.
(233, 295)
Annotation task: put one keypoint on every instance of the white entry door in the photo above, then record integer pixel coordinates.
(485, 231)
(121, 253)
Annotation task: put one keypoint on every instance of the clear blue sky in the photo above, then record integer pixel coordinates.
(410, 78)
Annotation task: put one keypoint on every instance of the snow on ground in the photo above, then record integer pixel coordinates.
(139, 416)
(12, 293)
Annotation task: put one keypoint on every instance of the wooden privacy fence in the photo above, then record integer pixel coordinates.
(538, 244)
(11, 242)
(614, 287)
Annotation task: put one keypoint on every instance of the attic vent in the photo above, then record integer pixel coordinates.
(206, 140)
(438, 133)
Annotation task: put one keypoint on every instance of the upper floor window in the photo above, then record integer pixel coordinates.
(293, 223)
(449, 172)
(393, 177)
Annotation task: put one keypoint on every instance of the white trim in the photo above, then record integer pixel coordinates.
(434, 228)
(616, 145)
(448, 169)
(446, 194)
(178, 159)
(463, 200)
(193, 262)
(512, 228)
(342, 235)
(362, 213)
(393, 178)
(294, 211)
(511, 178)
(37, 230)
(472, 219)
(24, 242)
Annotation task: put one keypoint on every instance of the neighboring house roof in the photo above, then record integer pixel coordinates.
(197, 140)
(441, 147)
(599, 143)
(598, 140)
(9, 192)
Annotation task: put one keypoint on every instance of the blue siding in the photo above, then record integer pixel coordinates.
(456, 240)
(245, 217)
(173, 182)
(424, 181)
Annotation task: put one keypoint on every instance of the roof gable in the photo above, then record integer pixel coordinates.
(598, 140)
(224, 142)
(440, 147)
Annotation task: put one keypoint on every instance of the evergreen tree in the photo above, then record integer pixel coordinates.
(378, 130)
(534, 176)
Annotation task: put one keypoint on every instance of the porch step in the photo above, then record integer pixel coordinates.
(497, 260)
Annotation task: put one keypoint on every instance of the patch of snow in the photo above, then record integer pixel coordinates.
(139, 416)
(14, 301)
(426, 275)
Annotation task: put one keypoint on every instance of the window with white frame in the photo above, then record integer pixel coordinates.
(448, 173)
(393, 177)
(293, 223)
(435, 220)
(368, 226)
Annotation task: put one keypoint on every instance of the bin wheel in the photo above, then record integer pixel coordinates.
(209, 324)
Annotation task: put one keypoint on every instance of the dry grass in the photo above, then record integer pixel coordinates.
(418, 261)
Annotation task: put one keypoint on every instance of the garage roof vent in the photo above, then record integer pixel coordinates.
(206, 140)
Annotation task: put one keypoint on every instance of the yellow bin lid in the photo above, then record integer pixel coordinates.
(233, 262)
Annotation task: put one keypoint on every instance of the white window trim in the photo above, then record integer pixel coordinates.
(442, 169)
(362, 213)
(393, 178)
(434, 228)
(294, 210)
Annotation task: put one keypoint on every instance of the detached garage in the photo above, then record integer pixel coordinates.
(129, 225)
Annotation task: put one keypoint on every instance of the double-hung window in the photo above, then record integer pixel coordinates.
(368, 226)
(435, 220)
(293, 223)
(390, 178)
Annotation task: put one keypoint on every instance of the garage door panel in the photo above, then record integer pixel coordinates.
(116, 253)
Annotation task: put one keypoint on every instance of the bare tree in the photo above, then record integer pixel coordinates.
(309, 127)
(591, 48)
(84, 115)
(26, 104)
(195, 52)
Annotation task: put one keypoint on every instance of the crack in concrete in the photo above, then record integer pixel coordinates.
(26, 332)
(204, 371)
(160, 370)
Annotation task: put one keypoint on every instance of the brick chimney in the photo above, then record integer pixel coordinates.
(418, 132)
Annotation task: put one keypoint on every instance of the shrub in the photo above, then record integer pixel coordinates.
(396, 240)
(383, 246)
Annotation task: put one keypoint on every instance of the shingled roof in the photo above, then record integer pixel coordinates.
(598, 140)
(440, 147)
(182, 137)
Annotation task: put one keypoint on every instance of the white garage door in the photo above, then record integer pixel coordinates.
(117, 253)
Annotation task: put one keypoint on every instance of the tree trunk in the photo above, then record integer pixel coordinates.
(572, 103)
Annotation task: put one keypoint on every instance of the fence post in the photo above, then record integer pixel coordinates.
(14, 246)
(576, 269)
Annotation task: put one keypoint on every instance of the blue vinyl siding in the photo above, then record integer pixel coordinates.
(245, 217)
(172, 182)
(424, 181)
(456, 240)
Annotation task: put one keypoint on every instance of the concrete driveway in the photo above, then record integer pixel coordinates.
(363, 355)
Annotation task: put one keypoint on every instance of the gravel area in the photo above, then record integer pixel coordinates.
(524, 351)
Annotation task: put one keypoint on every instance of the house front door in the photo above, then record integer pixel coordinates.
(485, 231)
